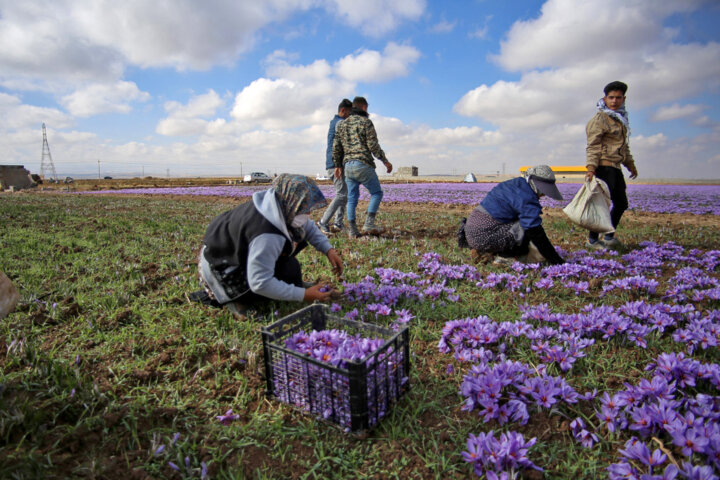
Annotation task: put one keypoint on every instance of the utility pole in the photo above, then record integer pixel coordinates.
(46, 162)
(98, 169)
(143, 170)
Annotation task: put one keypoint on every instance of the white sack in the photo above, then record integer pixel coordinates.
(590, 208)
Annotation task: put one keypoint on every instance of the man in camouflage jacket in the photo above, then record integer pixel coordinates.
(607, 149)
(354, 146)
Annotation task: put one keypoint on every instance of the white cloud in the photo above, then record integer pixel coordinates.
(279, 68)
(48, 45)
(204, 105)
(301, 95)
(103, 98)
(188, 119)
(565, 90)
(480, 33)
(675, 111)
(443, 27)
(14, 115)
(568, 54)
(284, 103)
(372, 66)
(377, 17)
(568, 32)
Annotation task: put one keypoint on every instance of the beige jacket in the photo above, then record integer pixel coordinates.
(607, 143)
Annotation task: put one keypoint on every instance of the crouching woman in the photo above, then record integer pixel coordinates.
(249, 253)
(507, 222)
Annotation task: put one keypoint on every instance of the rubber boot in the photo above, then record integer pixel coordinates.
(352, 230)
(370, 227)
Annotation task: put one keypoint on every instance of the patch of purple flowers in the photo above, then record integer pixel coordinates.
(499, 457)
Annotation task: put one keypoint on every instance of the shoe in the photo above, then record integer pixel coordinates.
(596, 245)
(238, 310)
(370, 227)
(612, 242)
(481, 257)
(352, 230)
(324, 228)
(202, 296)
(337, 228)
(533, 255)
(500, 260)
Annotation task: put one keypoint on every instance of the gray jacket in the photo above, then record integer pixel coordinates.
(265, 250)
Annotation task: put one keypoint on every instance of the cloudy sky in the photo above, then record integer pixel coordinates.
(215, 87)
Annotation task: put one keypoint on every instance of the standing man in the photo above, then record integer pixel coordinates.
(337, 206)
(353, 148)
(607, 149)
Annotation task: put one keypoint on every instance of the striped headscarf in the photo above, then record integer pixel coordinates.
(297, 194)
(621, 114)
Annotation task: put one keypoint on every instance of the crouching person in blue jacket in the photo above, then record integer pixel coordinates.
(249, 253)
(507, 222)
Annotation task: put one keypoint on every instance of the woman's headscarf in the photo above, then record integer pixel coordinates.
(297, 195)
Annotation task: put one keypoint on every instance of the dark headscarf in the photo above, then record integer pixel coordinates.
(297, 194)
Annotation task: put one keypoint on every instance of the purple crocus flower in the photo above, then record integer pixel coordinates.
(690, 441)
(228, 418)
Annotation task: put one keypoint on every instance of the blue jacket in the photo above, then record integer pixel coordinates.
(514, 200)
(331, 136)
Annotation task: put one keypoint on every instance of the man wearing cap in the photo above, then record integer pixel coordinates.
(507, 222)
(337, 206)
(607, 149)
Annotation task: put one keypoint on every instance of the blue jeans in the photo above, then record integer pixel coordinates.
(337, 206)
(360, 173)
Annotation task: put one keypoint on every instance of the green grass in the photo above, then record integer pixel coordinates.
(103, 280)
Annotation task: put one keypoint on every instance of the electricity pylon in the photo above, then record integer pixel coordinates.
(46, 162)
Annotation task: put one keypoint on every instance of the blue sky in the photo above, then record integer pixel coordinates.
(213, 88)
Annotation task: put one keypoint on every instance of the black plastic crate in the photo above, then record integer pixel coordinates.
(355, 397)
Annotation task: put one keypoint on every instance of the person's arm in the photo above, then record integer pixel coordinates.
(330, 138)
(630, 163)
(321, 243)
(373, 144)
(593, 151)
(338, 153)
(263, 253)
(335, 262)
(316, 238)
(538, 236)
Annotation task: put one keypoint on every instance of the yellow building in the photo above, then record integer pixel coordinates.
(562, 171)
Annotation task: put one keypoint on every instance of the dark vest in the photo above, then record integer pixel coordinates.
(229, 235)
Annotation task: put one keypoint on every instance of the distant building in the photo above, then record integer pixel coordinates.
(408, 171)
(15, 177)
(470, 178)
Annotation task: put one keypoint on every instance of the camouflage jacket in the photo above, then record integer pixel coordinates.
(356, 139)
